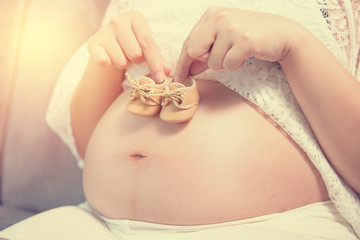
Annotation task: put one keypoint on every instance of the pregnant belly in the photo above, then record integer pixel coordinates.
(228, 163)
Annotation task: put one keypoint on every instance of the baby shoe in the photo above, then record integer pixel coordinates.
(180, 101)
(145, 97)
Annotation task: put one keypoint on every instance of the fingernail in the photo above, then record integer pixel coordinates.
(176, 78)
(159, 76)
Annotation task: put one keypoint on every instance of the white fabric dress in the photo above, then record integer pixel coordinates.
(335, 23)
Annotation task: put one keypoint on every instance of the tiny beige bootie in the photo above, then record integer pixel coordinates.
(145, 97)
(180, 101)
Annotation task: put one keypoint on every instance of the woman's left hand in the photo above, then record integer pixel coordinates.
(326, 91)
(224, 38)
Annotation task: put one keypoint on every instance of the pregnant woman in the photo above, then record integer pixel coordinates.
(270, 153)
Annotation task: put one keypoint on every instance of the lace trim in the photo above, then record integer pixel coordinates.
(343, 19)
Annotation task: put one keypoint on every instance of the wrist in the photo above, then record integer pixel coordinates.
(299, 40)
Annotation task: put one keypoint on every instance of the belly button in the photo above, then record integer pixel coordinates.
(137, 156)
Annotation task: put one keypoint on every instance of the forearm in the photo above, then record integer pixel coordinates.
(330, 99)
(98, 88)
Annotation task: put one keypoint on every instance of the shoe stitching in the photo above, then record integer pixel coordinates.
(142, 90)
(177, 96)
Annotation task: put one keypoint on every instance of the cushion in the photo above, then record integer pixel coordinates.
(11, 215)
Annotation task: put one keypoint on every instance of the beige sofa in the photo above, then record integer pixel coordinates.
(37, 37)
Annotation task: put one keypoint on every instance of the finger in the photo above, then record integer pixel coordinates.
(194, 31)
(183, 65)
(150, 50)
(218, 52)
(155, 63)
(235, 58)
(196, 48)
(185, 61)
(128, 42)
(188, 66)
(198, 67)
(99, 54)
(201, 43)
(167, 69)
(116, 54)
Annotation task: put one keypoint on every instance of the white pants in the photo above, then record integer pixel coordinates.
(314, 221)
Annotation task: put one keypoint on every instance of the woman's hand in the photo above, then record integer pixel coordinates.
(224, 38)
(326, 91)
(127, 40)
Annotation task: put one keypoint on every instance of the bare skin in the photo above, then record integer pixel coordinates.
(229, 162)
(326, 91)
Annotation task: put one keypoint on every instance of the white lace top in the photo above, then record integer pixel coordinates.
(334, 22)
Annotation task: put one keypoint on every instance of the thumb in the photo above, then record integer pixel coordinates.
(197, 67)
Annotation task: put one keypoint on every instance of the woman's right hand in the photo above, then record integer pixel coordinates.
(127, 40)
